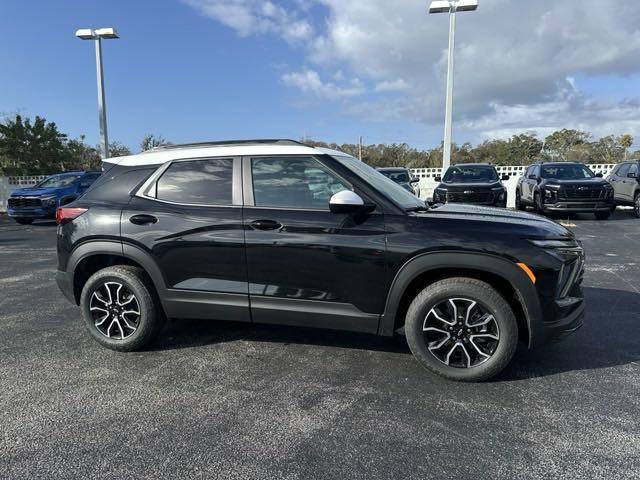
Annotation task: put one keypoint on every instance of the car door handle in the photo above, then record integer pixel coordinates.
(143, 219)
(266, 225)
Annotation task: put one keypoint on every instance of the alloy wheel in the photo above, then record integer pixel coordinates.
(637, 206)
(115, 310)
(461, 333)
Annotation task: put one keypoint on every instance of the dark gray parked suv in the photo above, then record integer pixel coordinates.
(625, 180)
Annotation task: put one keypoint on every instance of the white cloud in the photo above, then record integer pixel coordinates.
(518, 64)
(309, 81)
(392, 86)
(249, 17)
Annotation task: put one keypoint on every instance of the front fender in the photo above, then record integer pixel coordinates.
(483, 263)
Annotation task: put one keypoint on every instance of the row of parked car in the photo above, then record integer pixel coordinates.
(546, 187)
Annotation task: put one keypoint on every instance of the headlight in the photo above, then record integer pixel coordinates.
(49, 201)
(571, 254)
(439, 195)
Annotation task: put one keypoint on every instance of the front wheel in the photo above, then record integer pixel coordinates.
(636, 205)
(519, 204)
(24, 221)
(119, 308)
(462, 329)
(537, 204)
(603, 215)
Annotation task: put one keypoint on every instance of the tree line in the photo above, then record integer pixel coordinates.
(522, 149)
(38, 147)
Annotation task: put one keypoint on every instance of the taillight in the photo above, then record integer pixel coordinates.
(66, 214)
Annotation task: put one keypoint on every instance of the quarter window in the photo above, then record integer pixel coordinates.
(200, 182)
(300, 182)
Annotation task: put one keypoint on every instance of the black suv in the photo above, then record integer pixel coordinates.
(564, 187)
(280, 233)
(625, 180)
(402, 177)
(474, 183)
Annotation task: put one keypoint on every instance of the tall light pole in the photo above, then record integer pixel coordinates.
(97, 35)
(450, 6)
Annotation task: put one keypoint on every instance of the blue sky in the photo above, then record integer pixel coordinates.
(212, 69)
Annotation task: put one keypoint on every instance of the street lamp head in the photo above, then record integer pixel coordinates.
(85, 34)
(446, 6)
(89, 34)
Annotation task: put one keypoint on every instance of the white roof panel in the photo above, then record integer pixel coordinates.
(157, 157)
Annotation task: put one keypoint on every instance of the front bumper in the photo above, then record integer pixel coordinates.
(579, 206)
(569, 318)
(34, 212)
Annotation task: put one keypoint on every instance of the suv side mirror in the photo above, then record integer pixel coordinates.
(632, 175)
(438, 178)
(347, 201)
(532, 177)
(505, 177)
(414, 180)
(599, 175)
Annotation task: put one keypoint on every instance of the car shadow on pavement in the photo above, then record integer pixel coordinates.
(610, 337)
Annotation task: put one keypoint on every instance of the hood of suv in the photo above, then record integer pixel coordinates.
(543, 226)
(36, 192)
(587, 182)
(477, 186)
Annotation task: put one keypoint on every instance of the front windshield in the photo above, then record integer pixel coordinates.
(399, 176)
(566, 172)
(377, 180)
(474, 174)
(58, 181)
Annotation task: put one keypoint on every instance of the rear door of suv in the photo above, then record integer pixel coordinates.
(187, 217)
(306, 265)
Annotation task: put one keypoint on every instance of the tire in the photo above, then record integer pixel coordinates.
(24, 221)
(603, 215)
(519, 205)
(636, 205)
(465, 291)
(537, 204)
(120, 335)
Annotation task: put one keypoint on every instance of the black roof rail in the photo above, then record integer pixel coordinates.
(229, 143)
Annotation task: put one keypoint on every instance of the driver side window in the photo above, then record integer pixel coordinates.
(294, 182)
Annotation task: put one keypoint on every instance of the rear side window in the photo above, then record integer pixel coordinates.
(200, 182)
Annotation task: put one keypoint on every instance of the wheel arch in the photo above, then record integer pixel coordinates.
(502, 274)
(90, 257)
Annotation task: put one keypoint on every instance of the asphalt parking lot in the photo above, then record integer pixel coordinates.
(216, 400)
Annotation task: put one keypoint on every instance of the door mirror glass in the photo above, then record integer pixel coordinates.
(347, 201)
(505, 177)
(438, 178)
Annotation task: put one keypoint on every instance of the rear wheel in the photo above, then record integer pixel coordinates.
(462, 329)
(119, 308)
(603, 215)
(24, 221)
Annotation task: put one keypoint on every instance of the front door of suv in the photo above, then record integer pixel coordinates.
(306, 265)
(621, 185)
(187, 218)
